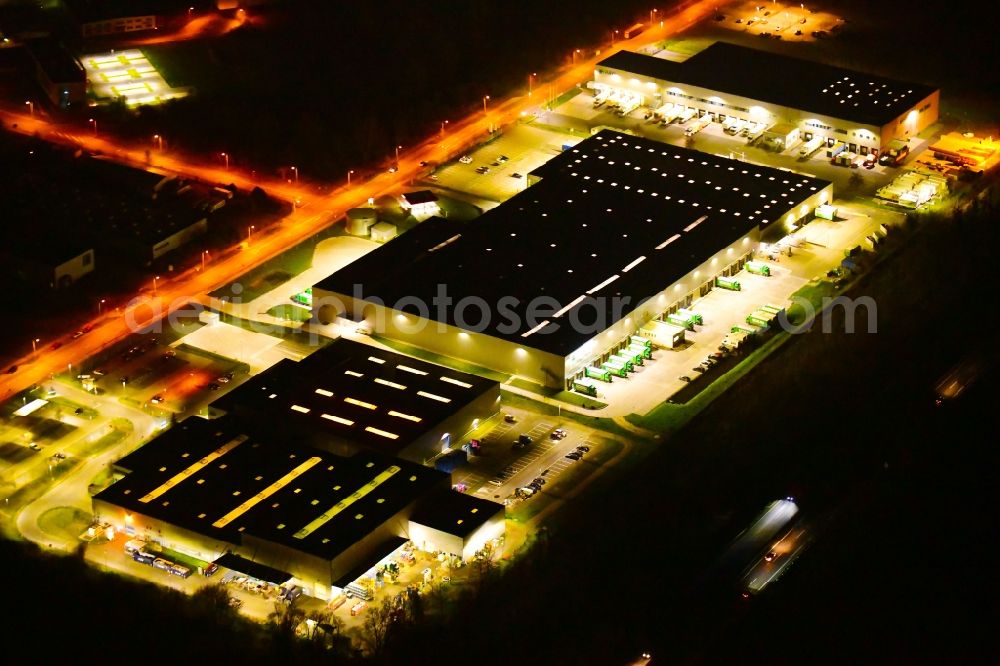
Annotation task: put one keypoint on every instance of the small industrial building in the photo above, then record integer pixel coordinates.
(610, 234)
(221, 492)
(420, 204)
(349, 397)
(726, 81)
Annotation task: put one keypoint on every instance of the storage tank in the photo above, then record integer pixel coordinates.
(360, 220)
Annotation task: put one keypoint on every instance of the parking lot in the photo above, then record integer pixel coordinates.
(790, 22)
(525, 147)
(145, 373)
(501, 469)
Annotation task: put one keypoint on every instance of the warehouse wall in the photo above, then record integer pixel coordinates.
(658, 92)
(477, 348)
(600, 344)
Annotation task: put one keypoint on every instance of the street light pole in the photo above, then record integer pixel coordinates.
(34, 342)
(486, 98)
(155, 278)
(159, 141)
(100, 303)
(652, 14)
(349, 177)
(31, 107)
(225, 156)
(397, 155)
(575, 53)
(443, 123)
(94, 123)
(296, 171)
(249, 232)
(531, 81)
(613, 33)
(204, 253)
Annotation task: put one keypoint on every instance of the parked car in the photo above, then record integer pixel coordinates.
(573, 455)
(465, 159)
(516, 175)
(509, 418)
(685, 378)
(156, 399)
(584, 448)
(558, 433)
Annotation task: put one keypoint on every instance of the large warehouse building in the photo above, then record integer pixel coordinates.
(213, 491)
(348, 397)
(864, 111)
(611, 234)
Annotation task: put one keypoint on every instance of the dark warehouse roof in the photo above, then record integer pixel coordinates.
(615, 217)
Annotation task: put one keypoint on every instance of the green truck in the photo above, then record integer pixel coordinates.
(758, 268)
(692, 315)
(637, 358)
(729, 283)
(643, 350)
(616, 368)
(758, 319)
(773, 309)
(598, 373)
(585, 387)
(627, 361)
(678, 320)
(639, 340)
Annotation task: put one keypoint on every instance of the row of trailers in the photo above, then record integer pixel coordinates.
(620, 102)
(665, 334)
(760, 320)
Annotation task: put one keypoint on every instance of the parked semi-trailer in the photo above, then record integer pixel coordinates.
(758, 268)
(766, 315)
(598, 373)
(739, 328)
(810, 146)
(757, 319)
(628, 362)
(638, 339)
(585, 386)
(836, 149)
(727, 283)
(641, 349)
(677, 320)
(774, 309)
(692, 315)
(616, 368)
(635, 357)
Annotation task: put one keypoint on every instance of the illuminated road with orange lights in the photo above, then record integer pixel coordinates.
(201, 27)
(314, 214)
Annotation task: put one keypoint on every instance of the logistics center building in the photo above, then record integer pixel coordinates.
(725, 80)
(609, 235)
(349, 397)
(211, 490)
